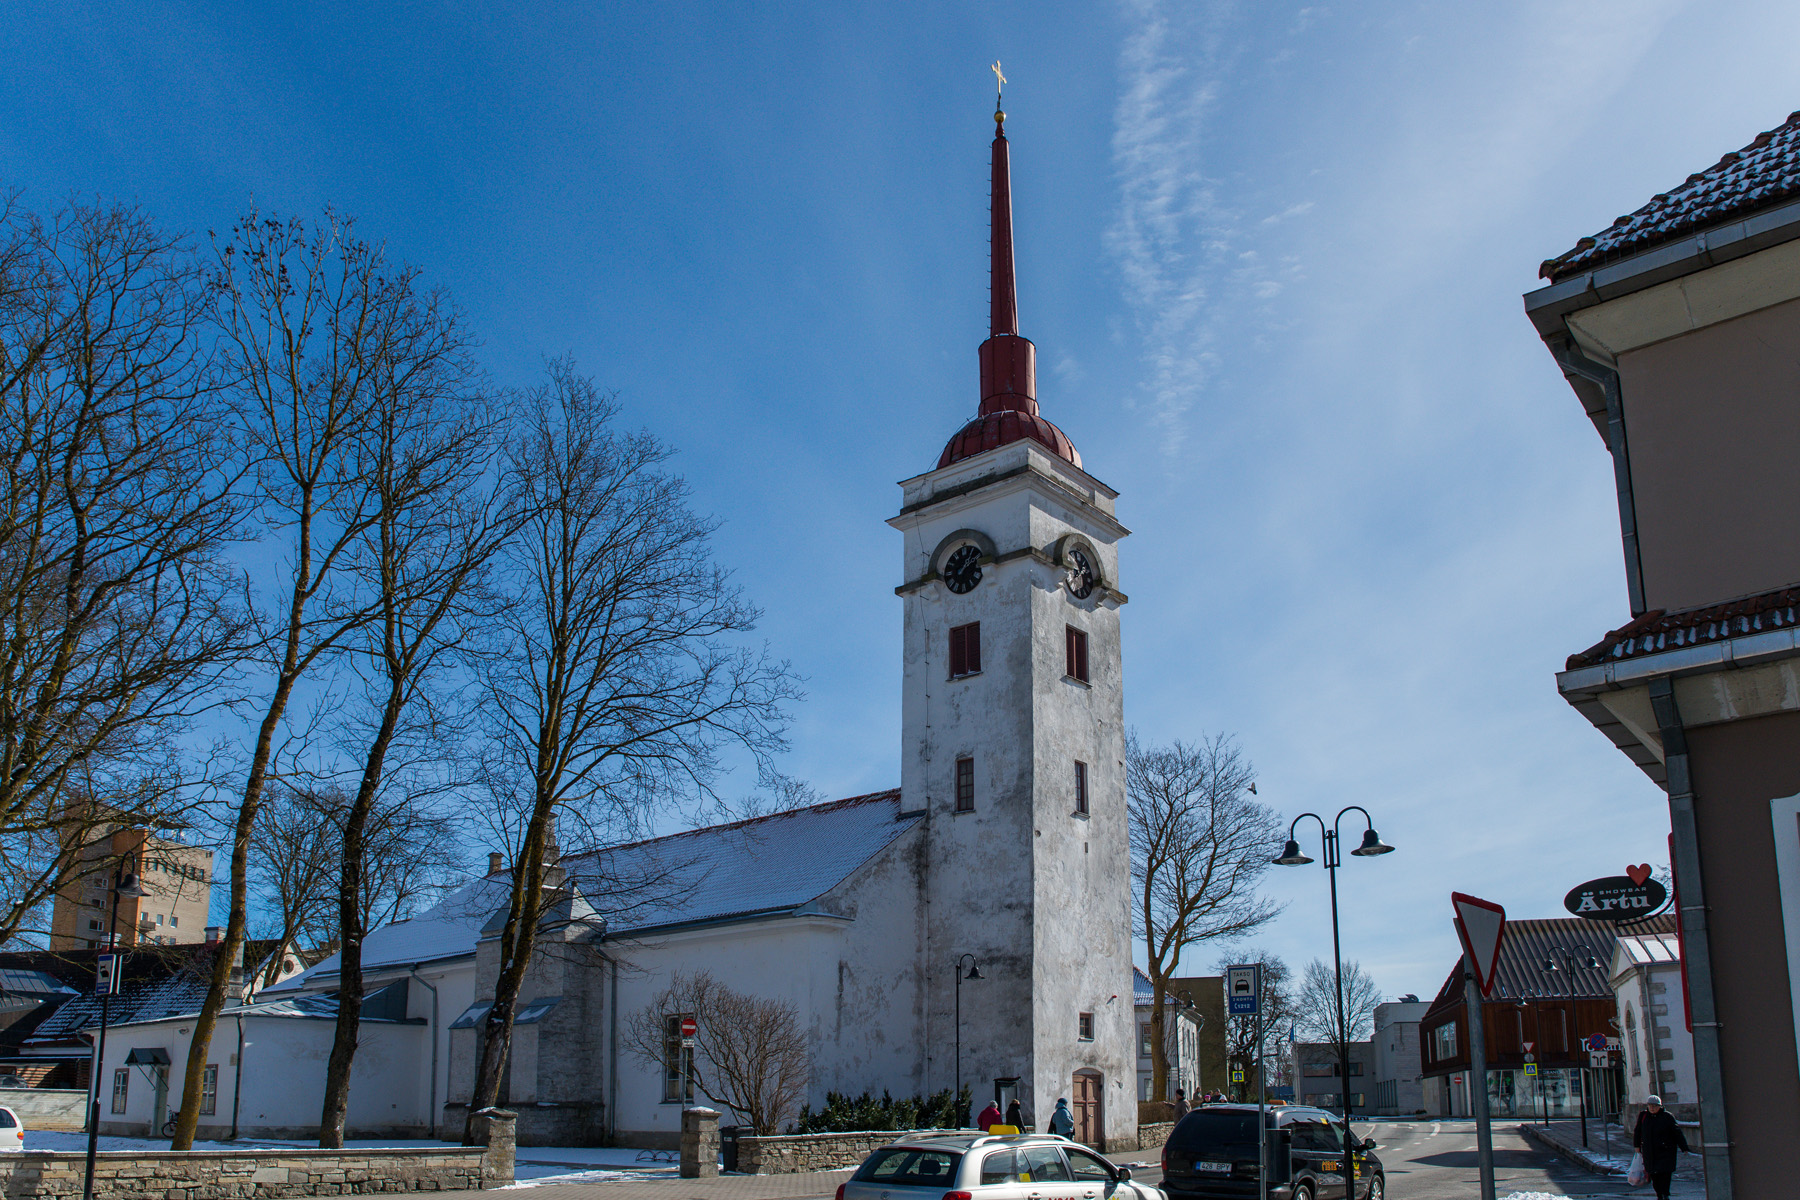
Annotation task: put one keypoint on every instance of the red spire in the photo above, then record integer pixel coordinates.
(1008, 361)
(1009, 408)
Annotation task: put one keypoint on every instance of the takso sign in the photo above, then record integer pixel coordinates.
(1625, 897)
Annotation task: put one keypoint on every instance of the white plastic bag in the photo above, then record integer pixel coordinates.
(1637, 1176)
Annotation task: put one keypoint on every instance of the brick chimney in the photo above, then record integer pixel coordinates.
(496, 862)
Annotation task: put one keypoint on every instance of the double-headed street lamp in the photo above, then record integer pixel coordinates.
(1292, 857)
(974, 973)
(124, 883)
(1570, 961)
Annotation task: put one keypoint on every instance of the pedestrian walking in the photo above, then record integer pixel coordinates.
(1015, 1115)
(1062, 1121)
(1181, 1104)
(1659, 1139)
(990, 1117)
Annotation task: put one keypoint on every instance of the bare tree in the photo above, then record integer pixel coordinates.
(1316, 1003)
(749, 1052)
(440, 514)
(411, 855)
(292, 866)
(618, 681)
(311, 320)
(117, 498)
(1199, 845)
(1276, 1019)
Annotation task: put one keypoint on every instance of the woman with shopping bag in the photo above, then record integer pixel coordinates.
(1659, 1140)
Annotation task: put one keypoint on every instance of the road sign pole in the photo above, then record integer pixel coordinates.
(1478, 1092)
(1262, 1075)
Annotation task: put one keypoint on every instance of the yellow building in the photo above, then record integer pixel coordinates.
(177, 884)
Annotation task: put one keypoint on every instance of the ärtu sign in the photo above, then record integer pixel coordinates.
(1617, 897)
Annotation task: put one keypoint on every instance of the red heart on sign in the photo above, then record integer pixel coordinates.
(1639, 873)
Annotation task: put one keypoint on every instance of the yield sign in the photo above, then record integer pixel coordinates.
(1479, 924)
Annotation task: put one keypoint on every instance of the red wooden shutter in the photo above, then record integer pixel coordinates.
(1081, 671)
(972, 645)
(959, 656)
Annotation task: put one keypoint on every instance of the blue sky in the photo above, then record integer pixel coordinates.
(1271, 256)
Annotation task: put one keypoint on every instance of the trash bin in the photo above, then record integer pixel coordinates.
(728, 1136)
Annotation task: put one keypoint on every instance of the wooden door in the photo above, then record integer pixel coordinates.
(1089, 1124)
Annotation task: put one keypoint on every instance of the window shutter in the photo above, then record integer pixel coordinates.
(972, 645)
(1077, 664)
(959, 657)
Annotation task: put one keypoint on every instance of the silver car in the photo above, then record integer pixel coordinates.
(976, 1166)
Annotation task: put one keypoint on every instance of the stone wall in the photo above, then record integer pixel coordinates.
(786, 1154)
(248, 1175)
(1152, 1136)
(47, 1108)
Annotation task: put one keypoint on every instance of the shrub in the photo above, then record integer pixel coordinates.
(851, 1114)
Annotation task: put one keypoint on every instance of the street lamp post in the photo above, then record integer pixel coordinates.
(124, 883)
(1586, 959)
(974, 973)
(1292, 857)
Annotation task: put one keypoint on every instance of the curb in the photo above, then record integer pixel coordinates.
(1573, 1154)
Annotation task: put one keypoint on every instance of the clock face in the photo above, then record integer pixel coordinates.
(1081, 575)
(962, 571)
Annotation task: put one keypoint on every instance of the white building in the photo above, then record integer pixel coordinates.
(1181, 1036)
(1399, 1072)
(1005, 843)
(1654, 1040)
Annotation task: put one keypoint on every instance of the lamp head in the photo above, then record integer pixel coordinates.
(1372, 844)
(974, 972)
(1291, 856)
(128, 885)
(1550, 965)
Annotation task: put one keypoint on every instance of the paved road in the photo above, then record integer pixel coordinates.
(1424, 1160)
(1435, 1160)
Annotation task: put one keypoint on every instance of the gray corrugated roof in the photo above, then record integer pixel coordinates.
(1765, 172)
(770, 864)
(18, 981)
(1525, 945)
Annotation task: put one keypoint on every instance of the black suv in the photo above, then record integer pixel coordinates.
(1211, 1155)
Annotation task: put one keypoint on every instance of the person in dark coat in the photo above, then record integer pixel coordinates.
(1659, 1138)
(1015, 1115)
(1181, 1104)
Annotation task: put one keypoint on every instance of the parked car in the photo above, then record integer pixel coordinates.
(12, 1130)
(974, 1166)
(1211, 1154)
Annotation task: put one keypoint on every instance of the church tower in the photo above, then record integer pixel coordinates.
(1013, 744)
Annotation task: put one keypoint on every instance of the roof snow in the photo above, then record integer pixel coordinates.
(765, 866)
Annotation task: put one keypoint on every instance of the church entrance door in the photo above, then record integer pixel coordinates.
(1089, 1120)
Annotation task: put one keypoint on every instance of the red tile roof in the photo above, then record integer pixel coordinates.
(1659, 630)
(1762, 174)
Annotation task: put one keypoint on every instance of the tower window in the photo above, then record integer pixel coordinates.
(1085, 1027)
(965, 649)
(965, 785)
(1077, 656)
(1081, 800)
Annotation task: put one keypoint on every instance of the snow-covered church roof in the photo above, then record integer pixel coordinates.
(765, 866)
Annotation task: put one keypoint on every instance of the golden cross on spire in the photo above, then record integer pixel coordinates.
(999, 79)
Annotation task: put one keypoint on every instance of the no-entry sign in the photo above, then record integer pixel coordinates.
(689, 1027)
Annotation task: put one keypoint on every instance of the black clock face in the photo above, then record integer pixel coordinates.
(963, 570)
(1081, 575)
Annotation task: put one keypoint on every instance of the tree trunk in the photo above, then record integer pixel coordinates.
(1159, 1046)
(517, 940)
(336, 1106)
(232, 944)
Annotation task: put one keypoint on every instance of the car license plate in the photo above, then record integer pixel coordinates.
(1219, 1168)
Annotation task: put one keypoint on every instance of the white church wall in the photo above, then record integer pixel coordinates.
(1035, 892)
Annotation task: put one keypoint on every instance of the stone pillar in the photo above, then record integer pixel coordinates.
(699, 1143)
(497, 1130)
